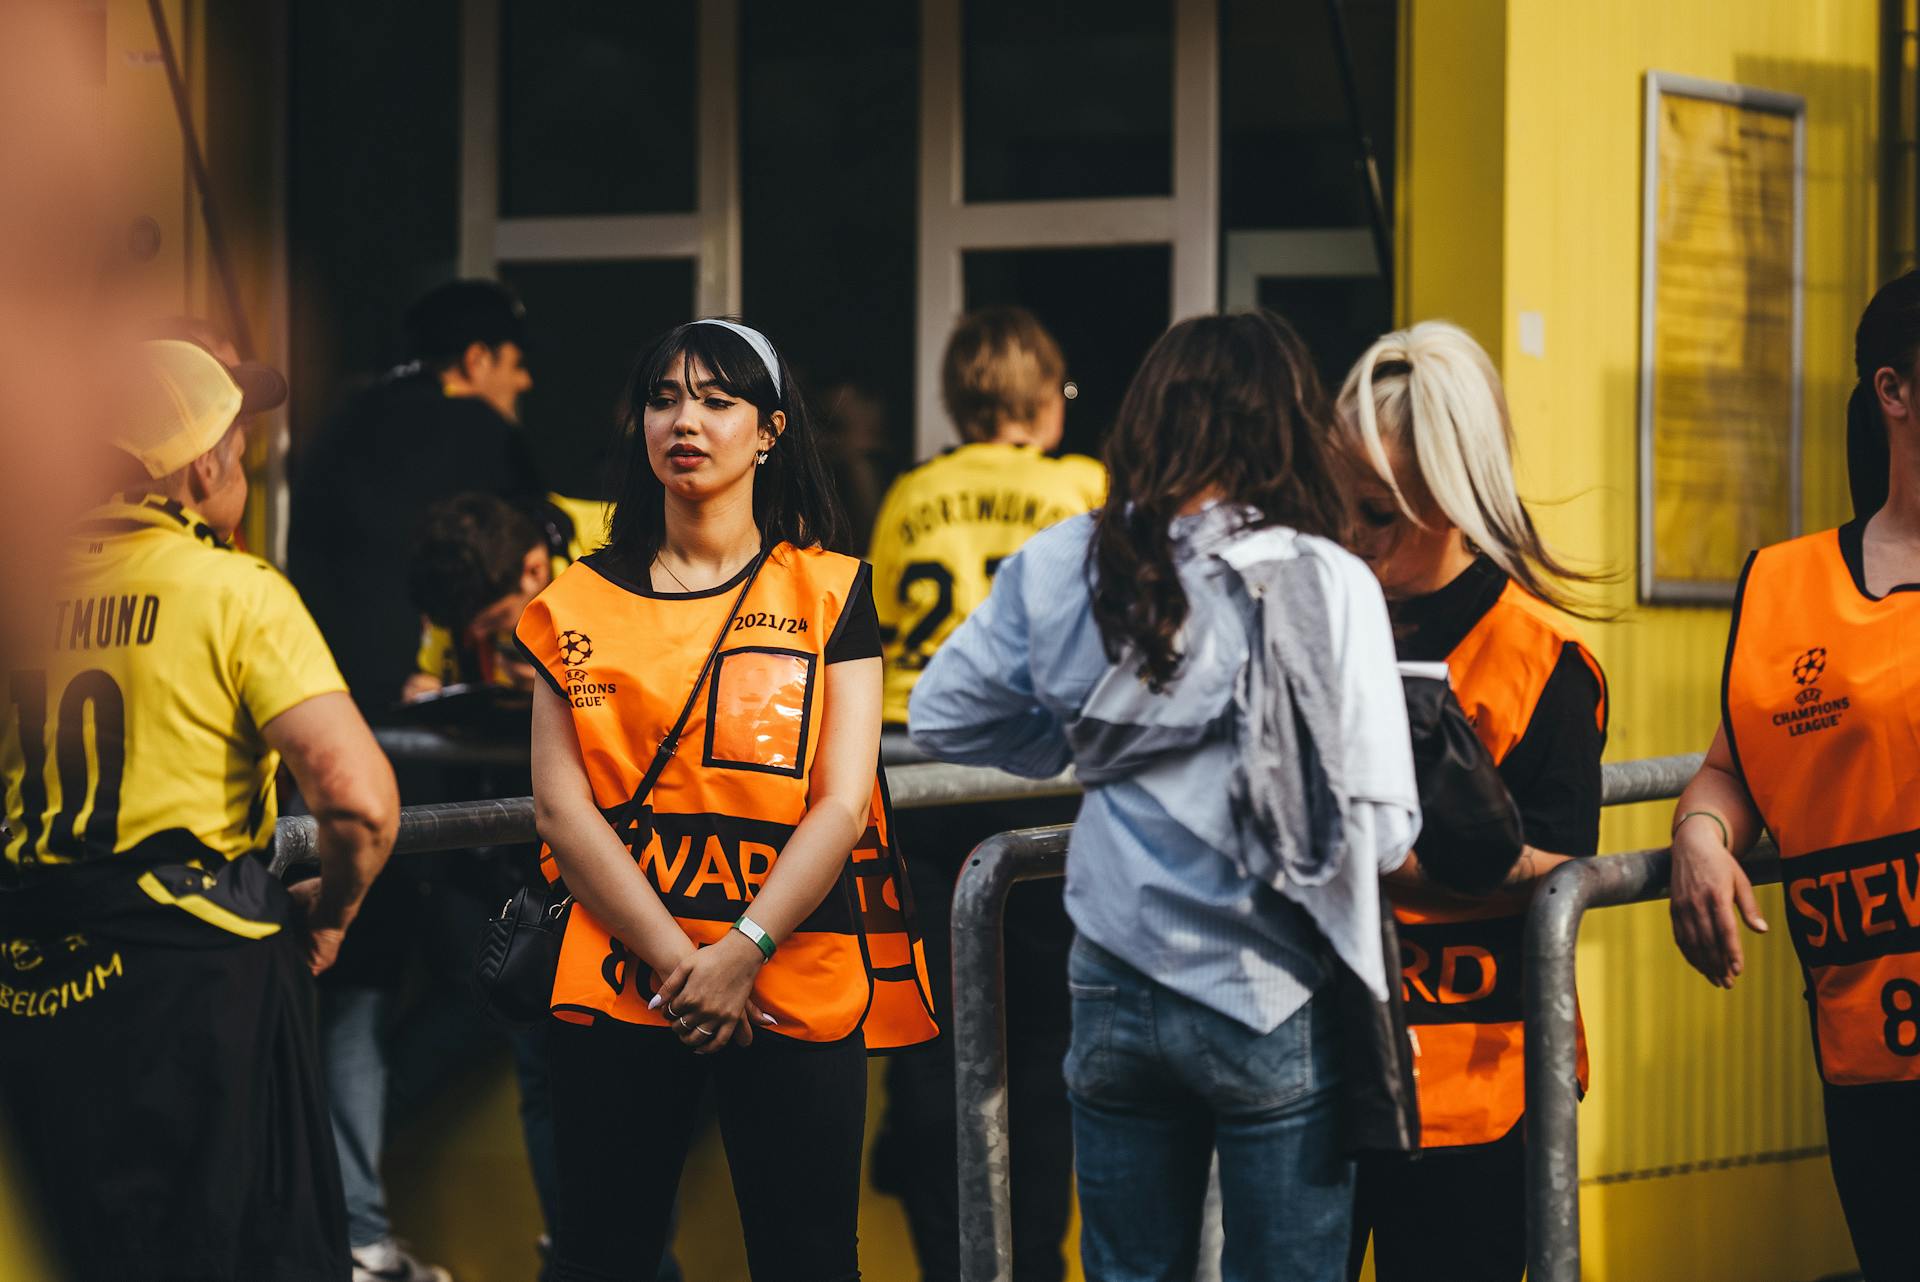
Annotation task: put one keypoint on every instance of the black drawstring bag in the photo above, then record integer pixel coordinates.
(1469, 839)
(519, 949)
(1470, 835)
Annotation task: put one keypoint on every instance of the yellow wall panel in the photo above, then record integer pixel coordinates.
(1701, 1098)
(1452, 167)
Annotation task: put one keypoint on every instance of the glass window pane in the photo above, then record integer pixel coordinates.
(835, 89)
(597, 107)
(587, 323)
(1338, 317)
(369, 228)
(1068, 98)
(1104, 306)
(1288, 155)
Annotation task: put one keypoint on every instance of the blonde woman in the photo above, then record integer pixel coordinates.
(1469, 582)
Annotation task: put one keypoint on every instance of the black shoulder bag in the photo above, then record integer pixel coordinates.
(1469, 838)
(519, 949)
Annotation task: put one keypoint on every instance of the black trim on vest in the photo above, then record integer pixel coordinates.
(541, 668)
(1726, 669)
(1853, 539)
(597, 562)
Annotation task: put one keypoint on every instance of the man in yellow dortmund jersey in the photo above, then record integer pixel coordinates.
(942, 531)
(158, 1070)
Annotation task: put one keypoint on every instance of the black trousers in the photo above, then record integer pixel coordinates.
(918, 1149)
(1873, 1133)
(792, 1115)
(163, 1105)
(1456, 1213)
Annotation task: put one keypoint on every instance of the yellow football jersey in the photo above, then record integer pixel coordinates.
(586, 523)
(137, 731)
(943, 530)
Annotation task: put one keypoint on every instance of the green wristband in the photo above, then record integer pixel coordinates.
(1718, 822)
(756, 936)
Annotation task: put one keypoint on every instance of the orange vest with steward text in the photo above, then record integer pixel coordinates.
(625, 659)
(1822, 710)
(1460, 970)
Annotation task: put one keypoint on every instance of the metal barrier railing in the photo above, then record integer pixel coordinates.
(452, 825)
(1553, 1094)
(980, 1040)
(425, 745)
(979, 976)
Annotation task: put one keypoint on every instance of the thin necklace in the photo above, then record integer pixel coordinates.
(670, 574)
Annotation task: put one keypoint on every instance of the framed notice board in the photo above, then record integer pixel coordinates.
(1720, 332)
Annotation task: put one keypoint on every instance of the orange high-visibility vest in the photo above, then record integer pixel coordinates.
(1822, 710)
(1460, 971)
(624, 658)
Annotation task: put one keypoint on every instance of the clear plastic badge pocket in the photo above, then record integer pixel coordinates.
(760, 711)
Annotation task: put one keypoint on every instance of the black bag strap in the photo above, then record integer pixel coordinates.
(671, 744)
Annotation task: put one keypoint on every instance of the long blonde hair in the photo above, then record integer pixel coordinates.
(1435, 390)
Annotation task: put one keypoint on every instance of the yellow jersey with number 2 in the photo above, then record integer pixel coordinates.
(943, 530)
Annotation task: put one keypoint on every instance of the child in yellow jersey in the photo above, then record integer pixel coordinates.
(942, 531)
(945, 526)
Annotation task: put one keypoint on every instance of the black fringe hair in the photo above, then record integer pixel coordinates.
(793, 495)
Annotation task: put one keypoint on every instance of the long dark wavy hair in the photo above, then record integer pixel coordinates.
(793, 496)
(1224, 403)
(1888, 337)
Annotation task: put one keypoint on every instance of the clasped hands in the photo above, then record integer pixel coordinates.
(708, 999)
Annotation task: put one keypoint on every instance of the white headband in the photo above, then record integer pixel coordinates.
(758, 342)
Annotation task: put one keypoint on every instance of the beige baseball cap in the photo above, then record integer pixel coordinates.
(184, 401)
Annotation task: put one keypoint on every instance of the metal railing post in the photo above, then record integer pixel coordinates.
(978, 1034)
(1552, 1045)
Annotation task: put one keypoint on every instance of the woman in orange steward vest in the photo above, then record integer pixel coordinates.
(745, 921)
(1819, 740)
(1469, 582)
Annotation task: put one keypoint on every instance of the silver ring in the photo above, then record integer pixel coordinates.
(705, 1032)
(672, 1013)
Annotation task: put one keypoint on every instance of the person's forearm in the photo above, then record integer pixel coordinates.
(808, 866)
(1717, 792)
(353, 846)
(1531, 867)
(603, 876)
(1411, 887)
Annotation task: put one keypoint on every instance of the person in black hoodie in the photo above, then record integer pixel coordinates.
(444, 423)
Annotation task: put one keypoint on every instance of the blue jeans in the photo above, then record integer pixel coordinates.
(1158, 1083)
(355, 1062)
(368, 1075)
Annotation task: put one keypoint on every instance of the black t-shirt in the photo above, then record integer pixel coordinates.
(857, 634)
(360, 492)
(1553, 772)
